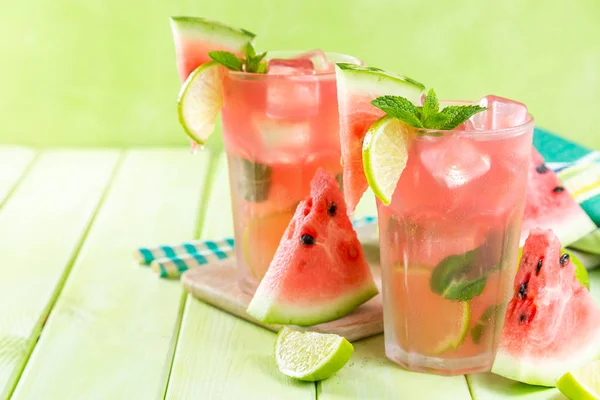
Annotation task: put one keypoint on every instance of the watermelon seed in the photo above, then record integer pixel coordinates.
(307, 240)
(332, 209)
(539, 266)
(541, 168)
(523, 318)
(523, 290)
(558, 189)
(564, 259)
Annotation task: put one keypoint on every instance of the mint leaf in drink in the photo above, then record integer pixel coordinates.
(399, 107)
(427, 116)
(227, 59)
(431, 106)
(254, 63)
(460, 276)
(459, 114)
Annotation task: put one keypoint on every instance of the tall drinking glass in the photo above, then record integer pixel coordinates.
(278, 129)
(449, 242)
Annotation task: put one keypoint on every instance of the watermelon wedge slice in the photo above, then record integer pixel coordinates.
(319, 272)
(195, 37)
(357, 86)
(552, 324)
(549, 205)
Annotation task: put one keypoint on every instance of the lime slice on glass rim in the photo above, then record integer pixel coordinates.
(310, 356)
(200, 101)
(581, 384)
(385, 153)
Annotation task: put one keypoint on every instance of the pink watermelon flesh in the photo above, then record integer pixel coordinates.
(550, 206)
(357, 114)
(552, 324)
(195, 37)
(319, 272)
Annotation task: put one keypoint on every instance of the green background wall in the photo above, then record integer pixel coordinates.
(90, 73)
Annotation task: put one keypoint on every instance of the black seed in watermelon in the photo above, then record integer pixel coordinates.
(558, 189)
(541, 168)
(564, 259)
(523, 290)
(538, 267)
(307, 240)
(332, 209)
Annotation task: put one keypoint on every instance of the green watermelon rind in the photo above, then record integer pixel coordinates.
(367, 78)
(545, 372)
(208, 30)
(265, 308)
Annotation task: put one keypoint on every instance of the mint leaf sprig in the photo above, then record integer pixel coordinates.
(252, 62)
(427, 116)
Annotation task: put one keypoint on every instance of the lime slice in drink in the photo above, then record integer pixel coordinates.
(384, 156)
(311, 356)
(200, 101)
(424, 321)
(581, 384)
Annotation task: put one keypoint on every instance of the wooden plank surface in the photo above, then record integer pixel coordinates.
(216, 284)
(41, 227)
(112, 331)
(14, 162)
(370, 375)
(220, 356)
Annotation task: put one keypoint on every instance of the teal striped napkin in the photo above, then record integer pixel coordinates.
(170, 261)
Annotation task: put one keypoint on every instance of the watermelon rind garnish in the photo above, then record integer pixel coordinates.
(195, 37)
(203, 28)
(357, 86)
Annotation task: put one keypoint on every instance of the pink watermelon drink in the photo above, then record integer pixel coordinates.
(449, 235)
(280, 124)
(278, 129)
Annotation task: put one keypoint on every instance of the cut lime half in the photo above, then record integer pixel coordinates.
(385, 153)
(581, 384)
(200, 101)
(311, 356)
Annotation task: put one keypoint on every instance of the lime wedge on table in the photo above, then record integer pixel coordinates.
(200, 101)
(311, 356)
(384, 156)
(581, 384)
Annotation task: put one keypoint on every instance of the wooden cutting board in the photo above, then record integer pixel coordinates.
(217, 284)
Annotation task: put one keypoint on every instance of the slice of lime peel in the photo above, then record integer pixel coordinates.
(453, 341)
(200, 101)
(311, 356)
(581, 384)
(385, 153)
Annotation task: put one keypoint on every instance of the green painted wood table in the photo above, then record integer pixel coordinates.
(81, 321)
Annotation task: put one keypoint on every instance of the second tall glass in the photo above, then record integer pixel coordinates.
(449, 243)
(278, 129)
